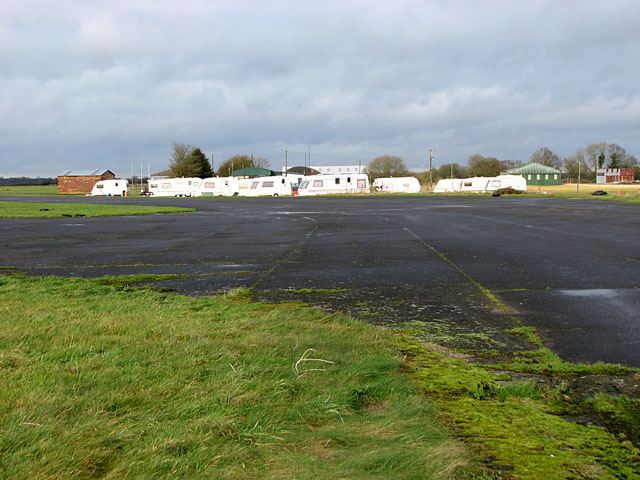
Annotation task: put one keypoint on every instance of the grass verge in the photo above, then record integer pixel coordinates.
(53, 210)
(528, 429)
(102, 380)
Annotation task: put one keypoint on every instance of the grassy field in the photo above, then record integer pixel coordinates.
(52, 210)
(103, 380)
(108, 381)
(29, 190)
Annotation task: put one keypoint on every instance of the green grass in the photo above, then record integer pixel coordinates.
(29, 190)
(103, 380)
(52, 210)
(521, 426)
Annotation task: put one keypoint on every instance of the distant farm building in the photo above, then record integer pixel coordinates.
(340, 169)
(81, 181)
(614, 175)
(537, 174)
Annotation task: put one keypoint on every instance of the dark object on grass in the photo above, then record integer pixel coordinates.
(67, 215)
(79, 215)
(507, 191)
(599, 192)
(44, 209)
(495, 194)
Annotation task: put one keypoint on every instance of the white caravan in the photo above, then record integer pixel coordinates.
(448, 185)
(265, 186)
(174, 187)
(218, 187)
(334, 184)
(481, 184)
(397, 185)
(111, 188)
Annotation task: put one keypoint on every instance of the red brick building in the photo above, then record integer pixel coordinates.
(81, 181)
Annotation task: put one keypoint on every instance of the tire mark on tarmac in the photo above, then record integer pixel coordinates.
(282, 259)
(485, 291)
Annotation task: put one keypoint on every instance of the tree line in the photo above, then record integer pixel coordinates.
(585, 161)
(15, 181)
(189, 161)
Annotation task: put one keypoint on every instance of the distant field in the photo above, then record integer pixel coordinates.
(29, 190)
(52, 210)
(570, 188)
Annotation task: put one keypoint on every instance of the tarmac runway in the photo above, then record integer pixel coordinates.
(570, 268)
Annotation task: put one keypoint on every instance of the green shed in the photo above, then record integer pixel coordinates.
(253, 172)
(537, 174)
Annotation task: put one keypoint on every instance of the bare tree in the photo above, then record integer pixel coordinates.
(546, 157)
(576, 164)
(182, 164)
(261, 162)
(596, 154)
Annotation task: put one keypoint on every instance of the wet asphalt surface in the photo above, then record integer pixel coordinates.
(570, 268)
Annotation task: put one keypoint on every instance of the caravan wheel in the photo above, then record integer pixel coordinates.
(275, 194)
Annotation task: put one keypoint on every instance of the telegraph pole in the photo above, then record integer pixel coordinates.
(286, 169)
(578, 184)
(431, 169)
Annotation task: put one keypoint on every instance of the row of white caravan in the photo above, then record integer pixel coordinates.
(481, 184)
(253, 187)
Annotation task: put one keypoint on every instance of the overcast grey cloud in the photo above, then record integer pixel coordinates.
(87, 84)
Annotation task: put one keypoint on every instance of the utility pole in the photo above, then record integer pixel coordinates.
(309, 155)
(213, 169)
(431, 169)
(578, 184)
(452, 170)
(286, 168)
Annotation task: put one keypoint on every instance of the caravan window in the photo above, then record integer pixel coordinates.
(254, 185)
(303, 185)
(495, 183)
(337, 180)
(267, 184)
(467, 184)
(209, 185)
(153, 185)
(348, 179)
(362, 183)
(317, 183)
(166, 186)
(99, 185)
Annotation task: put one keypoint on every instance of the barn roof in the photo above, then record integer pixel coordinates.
(255, 172)
(532, 167)
(85, 173)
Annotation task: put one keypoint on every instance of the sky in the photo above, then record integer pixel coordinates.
(112, 84)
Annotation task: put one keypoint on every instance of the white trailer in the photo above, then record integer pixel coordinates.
(448, 185)
(218, 187)
(334, 184)
(275, 186)
(491, 184)
(111, 188)
(481, 184)
(174, 187)
(397, 185)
